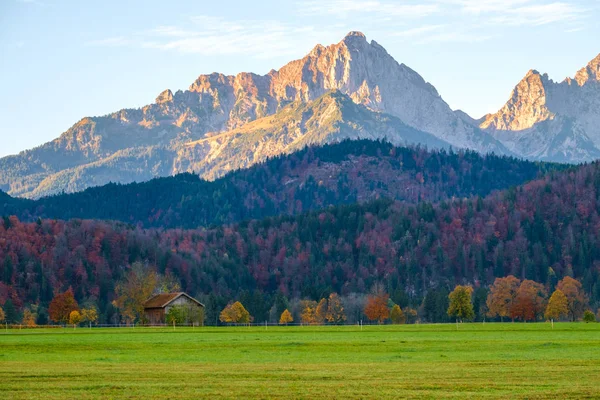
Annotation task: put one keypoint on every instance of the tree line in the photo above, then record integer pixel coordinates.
(543, 231)
(312, 178)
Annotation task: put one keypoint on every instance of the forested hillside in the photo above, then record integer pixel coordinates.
(310, 179)
(543, 230)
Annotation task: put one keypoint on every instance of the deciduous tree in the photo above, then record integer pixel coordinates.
(376, 308)
(335, 309)
(29, 318)
(2, 316)
(89, 315)
(235, 313)
(530, 301)
(134, 289)
(74, 318)
(308, 314)
(396, 315)
(321, 311)
(175, 315)
(502, 295)
(61, 306)
(461, 306)
(286, 317)
(588, 316)
(557, 306)
(576, 298)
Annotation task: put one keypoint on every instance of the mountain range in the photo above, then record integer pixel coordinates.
(352, 89)
(549, 120)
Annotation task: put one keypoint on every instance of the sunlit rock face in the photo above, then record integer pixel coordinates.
(549, 120)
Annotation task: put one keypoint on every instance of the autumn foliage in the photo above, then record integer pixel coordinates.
(61, 307)
(377, 308)
(530, 302)
(286, 317)
(502, 296)
(235, 313)
(461, 306)
(557, 306)
(576, 298)
(397, 315)
(74, 318)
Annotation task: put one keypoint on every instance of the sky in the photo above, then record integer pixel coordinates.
(64, 60)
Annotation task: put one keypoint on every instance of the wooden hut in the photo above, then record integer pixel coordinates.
(157, 307)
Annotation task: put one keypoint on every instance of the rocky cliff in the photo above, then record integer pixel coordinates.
(550, 120)
(215, 104)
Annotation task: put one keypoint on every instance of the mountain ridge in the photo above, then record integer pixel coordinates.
(217, 103)
(550, 120)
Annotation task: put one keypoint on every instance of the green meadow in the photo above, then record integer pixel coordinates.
(492, 360)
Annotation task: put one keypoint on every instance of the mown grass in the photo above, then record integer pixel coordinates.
(412, 361)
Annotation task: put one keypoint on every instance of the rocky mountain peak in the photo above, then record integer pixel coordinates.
(551, 120)
(166, 96)
(355, 39)
(590, 72)
(526, 106)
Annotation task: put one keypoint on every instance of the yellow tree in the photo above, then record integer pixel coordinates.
(74, 318)
(576, 298)
(502, 295)
(2, 315)
(308, 315)
(461, 306)
(89, 315)
(321, 311)
(29, 318)
(396, 315)
(133, 291)
(557, 306)
(286, 317)
(335, 309)
(235, 313)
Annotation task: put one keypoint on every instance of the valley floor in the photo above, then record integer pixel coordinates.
(489, 360)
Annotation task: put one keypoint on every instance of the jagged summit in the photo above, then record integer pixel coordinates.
(590, 72)
(551, 120)
(165, 96)
(138, 144)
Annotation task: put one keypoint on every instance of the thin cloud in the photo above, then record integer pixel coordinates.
(344, 8)
(420, 31)
(209, 35)
(116, 41)
(520, 12)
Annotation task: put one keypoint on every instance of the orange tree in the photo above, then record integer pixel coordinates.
(530, 301)
(576, 298)
(286, 317)
(376, 308)
(61, 306)
(502, 295)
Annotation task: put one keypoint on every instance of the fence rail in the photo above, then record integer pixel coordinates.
(133, 326)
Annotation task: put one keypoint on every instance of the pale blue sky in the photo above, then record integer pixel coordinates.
(62, 60)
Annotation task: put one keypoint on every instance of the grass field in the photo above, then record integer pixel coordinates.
(407, 361)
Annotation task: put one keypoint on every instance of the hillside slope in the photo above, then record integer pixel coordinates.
(312, 178)
(543, 230)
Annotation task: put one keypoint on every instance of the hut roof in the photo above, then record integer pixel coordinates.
(164, 299)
